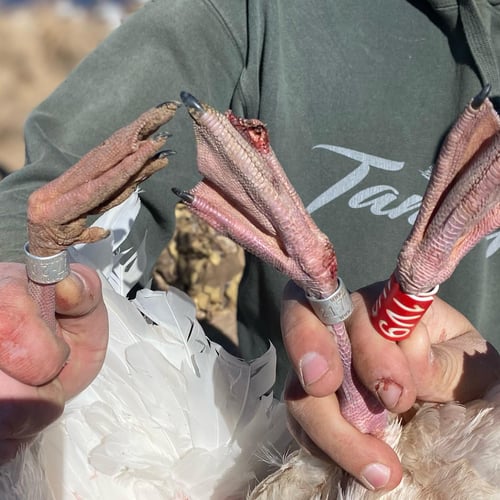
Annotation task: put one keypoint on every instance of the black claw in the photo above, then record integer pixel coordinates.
(165, 153)
(192, 104)
(481, 97)
(185, 196)
(162, 135)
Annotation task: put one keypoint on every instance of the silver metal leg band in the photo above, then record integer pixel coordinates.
(334, 309)
(46, 270)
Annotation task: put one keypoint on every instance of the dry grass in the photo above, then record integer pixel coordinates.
(38, 49)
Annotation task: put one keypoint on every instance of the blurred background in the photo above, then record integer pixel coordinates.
(41, 41)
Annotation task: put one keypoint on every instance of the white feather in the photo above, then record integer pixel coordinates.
(446, 450)
(121, 268)
(170, 415)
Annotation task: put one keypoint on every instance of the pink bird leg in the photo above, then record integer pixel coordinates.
(460, 206)
(246, 195)
(102, 179)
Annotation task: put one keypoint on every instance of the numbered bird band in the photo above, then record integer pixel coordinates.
(335, 308)
(46, 270)
(396, 313)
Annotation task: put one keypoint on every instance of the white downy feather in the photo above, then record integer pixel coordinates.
(171, 415)
(446, 450)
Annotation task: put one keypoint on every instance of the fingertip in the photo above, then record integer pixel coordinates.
(379, 476)
(385, 474)
(318, 426)
(380, 364)
(317, 376)
(389, 393)
(371, 461)
(79, 292)
(70, 290)
(375, 476)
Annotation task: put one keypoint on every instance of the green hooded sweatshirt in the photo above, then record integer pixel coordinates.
(357, 96)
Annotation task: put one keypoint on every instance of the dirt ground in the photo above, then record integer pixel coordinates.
(39, 47)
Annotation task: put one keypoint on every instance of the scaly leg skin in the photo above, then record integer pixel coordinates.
(246, 195)
(460, 206)
(462, 202)
(102, 179)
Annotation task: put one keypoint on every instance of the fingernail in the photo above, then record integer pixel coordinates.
(77, 279)
(389, 393)
(73, 280)
(312, 367)
(375, 476)
(69, 291)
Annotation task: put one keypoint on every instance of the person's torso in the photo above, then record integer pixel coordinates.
(357, 97)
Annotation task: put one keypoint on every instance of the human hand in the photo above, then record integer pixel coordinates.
(40, 371)
(444, 359)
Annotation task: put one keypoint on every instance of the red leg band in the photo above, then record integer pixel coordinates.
(396, 313)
